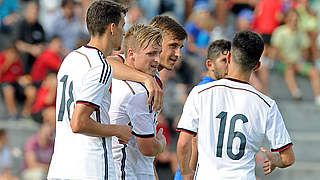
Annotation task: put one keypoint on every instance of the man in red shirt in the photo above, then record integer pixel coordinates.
(43, 109)
(48, 61)
(13, 84)
(268, 16)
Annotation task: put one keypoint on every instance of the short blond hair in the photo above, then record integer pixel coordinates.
(140, 36)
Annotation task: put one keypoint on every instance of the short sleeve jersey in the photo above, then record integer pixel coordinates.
(129, 107)
(84, 78)
(231, 119)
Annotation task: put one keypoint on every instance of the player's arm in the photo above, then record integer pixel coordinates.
(194, 154)
(125, 72)
(82, 123)
(153, 145)
(184, 151)
(188, 127)
(282, 154)
(281, 159)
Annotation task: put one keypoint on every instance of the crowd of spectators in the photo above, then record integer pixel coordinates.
(36, 35)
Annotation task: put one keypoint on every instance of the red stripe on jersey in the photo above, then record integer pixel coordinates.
(282, 148)
(89, 104)
(186, 131)
(159, 82)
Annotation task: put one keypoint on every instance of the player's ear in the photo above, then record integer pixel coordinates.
(257, 66)
(112, 28)
(229, 57)
(130, 54)
(209, 65)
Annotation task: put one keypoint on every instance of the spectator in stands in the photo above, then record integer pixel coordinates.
(47, 61)
(67, 25)
(290, 42)
(13, 84)
(5, 158)
(43, 109)
(38, 152)
(8, 16)
(134, 16)
(199, 27)
(47, 9)
(30, 36)
(268, 15)
(308, 22)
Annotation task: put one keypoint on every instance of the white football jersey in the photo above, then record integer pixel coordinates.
(129, 107)
(231, 119)
(84, 77)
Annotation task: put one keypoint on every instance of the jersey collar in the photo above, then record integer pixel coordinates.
(237, 80)
(91, 47)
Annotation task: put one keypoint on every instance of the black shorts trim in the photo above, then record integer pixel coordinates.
(186, 131)
(282, 148)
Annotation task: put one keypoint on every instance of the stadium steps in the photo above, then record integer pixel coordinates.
(302, 119)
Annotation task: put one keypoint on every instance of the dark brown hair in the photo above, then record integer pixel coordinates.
(169, 26)
(101, 13)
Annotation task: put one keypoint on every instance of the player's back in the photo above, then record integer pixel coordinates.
(85, 78)
(236, 116)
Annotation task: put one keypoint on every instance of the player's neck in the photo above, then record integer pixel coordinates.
(101, 44)
(242, 76)
(211, 74)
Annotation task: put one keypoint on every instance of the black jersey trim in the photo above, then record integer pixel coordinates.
(282, 148)
(104, 72)
(97, 107)
(186, 131)
(196, 173)
(106, 175)
(237, 80)
(123, 162)
(220, 85)
(123, 60)
(143, 135)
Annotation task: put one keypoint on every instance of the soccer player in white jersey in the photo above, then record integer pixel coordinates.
(231, 119)
(83, 132)
(173, 40)
(142, 47)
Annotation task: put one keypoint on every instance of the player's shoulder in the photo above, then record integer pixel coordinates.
(137, 87)
(93, 56)
(128, 87)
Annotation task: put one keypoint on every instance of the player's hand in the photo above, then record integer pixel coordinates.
(270, 162)
(161, 139)
(188, 176)
(124, 134)
(155, 93)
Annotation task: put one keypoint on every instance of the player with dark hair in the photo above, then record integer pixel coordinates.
(231, 119)
(83, 131)
(217, 66)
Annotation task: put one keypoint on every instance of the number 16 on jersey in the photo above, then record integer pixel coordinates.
(232, 134)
